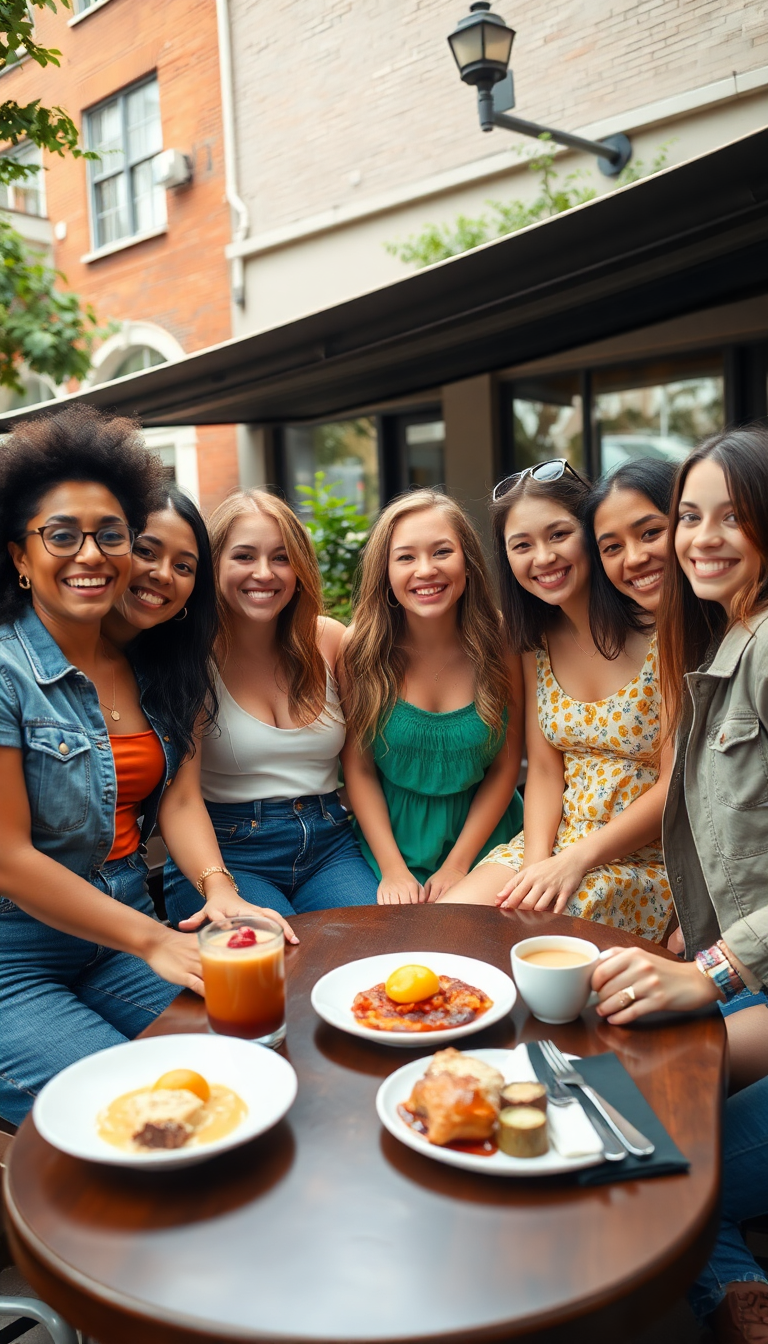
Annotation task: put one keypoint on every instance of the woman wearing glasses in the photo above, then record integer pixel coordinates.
(84, 963)
(596, 786)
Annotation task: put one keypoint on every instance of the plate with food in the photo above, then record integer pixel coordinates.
(166, 1101)
(405, 998)
(487, 1112)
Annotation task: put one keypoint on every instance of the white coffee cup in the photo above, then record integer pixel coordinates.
(554, 994)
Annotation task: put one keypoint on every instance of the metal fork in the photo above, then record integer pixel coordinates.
(635, 1142)
(558, 1095)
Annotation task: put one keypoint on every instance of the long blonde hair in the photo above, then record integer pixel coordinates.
(300, 657)
(374, 660)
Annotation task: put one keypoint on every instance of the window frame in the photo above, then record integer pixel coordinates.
(37, 180)
(96, 177)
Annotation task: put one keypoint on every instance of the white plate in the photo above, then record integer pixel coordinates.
(65, 1111)
(333, 994)
(397, 1088)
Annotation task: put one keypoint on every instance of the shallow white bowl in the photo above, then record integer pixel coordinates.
(333, 994)
(65, 1111)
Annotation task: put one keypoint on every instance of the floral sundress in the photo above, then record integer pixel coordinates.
(610, 757)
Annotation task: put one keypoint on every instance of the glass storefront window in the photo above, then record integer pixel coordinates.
(346, 450)
(649, 412)
(424, 453)
(547, 421)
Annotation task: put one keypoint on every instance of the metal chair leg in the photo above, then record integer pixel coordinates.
(57, 1327)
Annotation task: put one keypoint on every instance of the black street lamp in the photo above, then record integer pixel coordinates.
(481, 46)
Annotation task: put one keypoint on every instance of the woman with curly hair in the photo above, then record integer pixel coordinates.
(433, 701)
(269, 770)
(84, 964)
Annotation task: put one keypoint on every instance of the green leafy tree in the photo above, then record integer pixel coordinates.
(435, 242)
(339, 532)
(41, 326)
(47, 127)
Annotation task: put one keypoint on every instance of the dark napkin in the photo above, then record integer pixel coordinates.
(607, 1075)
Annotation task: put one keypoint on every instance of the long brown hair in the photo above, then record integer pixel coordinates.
(300, 657)
(527, 618)
(688, 627)
(374, 659)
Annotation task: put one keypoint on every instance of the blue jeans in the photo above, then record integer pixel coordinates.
(292, 856)
(745, 1195)
(62, 998)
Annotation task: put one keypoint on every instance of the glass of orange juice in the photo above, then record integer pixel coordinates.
(244, 978)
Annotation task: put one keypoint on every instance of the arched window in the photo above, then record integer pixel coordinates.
(141, 357)
(36, 388)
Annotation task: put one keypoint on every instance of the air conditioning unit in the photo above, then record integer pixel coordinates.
(172, 168)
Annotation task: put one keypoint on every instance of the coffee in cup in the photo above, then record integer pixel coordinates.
(554, 975)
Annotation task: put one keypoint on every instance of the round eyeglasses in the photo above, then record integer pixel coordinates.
(65, 540)
(552, 470)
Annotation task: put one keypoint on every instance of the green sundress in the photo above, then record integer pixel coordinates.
(430, 767)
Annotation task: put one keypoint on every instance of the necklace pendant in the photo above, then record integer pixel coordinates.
(115, 714)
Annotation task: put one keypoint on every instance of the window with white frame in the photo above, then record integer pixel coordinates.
(82, 5)
(127, 134)
(27, 194)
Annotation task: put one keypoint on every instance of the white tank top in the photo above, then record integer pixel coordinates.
(248, 759)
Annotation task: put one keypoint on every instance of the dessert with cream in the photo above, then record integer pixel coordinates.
(180, 1109)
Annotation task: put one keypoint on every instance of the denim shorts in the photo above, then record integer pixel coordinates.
(62, 998)
(291, 856)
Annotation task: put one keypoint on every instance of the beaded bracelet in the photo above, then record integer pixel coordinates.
(714, 963)
(207, 873)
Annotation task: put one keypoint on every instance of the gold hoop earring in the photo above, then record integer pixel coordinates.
(182, 616)
(392, 604)
(25, 582)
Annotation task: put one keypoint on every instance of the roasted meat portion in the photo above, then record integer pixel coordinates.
(163, 1134)
(451, 1107)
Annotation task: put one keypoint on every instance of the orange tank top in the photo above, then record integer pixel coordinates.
(139, 767)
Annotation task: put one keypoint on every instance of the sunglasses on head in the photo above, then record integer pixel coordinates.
(552, 470)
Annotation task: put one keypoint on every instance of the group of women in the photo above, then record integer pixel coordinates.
(155, 672)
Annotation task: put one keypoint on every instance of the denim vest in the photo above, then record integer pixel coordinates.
(715, 828)
(50, 711)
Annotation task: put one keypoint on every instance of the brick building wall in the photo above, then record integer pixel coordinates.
(327, 89)
(178, 280)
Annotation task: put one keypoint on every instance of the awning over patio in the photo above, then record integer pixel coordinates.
(690, 237)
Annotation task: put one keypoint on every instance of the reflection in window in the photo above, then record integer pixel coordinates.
(424, 453)
(547, 422)
(346, 450)
(648, 417)
(142, 357)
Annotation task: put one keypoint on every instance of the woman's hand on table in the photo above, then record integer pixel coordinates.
(446, 877)
(659, 985)
(400, 888)
(551, 882)
(175, 957)
(223, 902)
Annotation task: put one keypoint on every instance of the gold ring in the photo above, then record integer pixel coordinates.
(628, 995)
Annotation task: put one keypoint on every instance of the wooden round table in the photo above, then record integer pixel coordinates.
(327, 1229)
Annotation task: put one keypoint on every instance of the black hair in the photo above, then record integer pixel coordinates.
(78, 443)
(174, 660)
(527, 618)
(612, 615)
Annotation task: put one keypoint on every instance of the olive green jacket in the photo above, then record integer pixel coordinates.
(715, 829)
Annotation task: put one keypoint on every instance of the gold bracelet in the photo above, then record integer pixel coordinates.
(207, 873)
